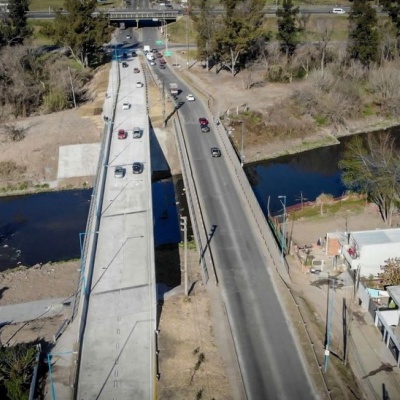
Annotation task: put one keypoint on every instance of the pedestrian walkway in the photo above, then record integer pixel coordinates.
(25, 312)
(371, 361)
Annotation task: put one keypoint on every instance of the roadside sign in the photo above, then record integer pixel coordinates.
(159, 42)
(167, 53)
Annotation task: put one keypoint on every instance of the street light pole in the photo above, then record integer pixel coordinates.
(184, 230)
(242, 153)
(283, 231)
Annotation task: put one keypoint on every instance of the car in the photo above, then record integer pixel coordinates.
(162, 61)
(215, 152)
(154, 51)
(139, 84)
(205, 128)
(203, 121)
(122, 134)
(128, 36)
(152, 62)
(159, 55)
(124, 55)
(190, 97)
(134, 54)
(338, 11)
(136, 133)
(126, 105)
(162, 66)
(169, 6)
(136, 70)
(125, 65)
(119, 172)
(137, 168)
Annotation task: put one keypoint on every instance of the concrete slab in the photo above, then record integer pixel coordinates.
(78, 160)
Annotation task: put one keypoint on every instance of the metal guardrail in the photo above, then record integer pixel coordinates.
(32, 388)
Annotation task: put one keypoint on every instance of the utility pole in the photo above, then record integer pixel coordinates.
(283, 231)
(329, 321)
(241, 153)
(163, 102)
(184, 230)
(72, 86)
(187, 38)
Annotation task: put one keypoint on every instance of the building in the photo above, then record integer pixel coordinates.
(367, 250)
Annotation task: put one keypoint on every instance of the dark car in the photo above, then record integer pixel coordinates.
(137, 168)
(159, 55)
(215, 152)
(203, 121)
(162, 66)
(205, 128)
(124, 65)
(134, 54)
(162, 61)
(154, 51)
(124, 55)
(136, 70)
(122, 134)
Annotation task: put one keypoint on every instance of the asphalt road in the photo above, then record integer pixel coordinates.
(271, 365)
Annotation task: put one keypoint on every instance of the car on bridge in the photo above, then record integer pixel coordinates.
(125, 64)
(119, 172)
(122, 134)
(215, 152)
(136, 70)
(126, 105)
(137, 168)
(136, 132)
(203, 121)
(139, 84)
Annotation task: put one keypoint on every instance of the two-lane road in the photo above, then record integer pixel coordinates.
(270, 362)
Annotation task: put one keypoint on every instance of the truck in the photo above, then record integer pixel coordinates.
(150, 56)
(146, 49)
(173, 89)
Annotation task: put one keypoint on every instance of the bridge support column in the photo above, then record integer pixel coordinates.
(137, 23)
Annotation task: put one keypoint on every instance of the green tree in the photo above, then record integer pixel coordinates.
(81, 32)
(372, 166)
(237, 35)
(391, 272)
(288, 27)
(14, 27)
(392, 7)
(363, 41)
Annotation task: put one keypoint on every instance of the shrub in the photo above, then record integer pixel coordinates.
(55, 101)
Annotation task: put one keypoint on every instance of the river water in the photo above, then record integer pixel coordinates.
(45, 227)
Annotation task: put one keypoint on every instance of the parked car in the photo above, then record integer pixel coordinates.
(126, 105)
(136, 70)
(205, 128)
(134, 54)
(125, 64)
(203, 121)
(139, 84)
(215, 152)
(122, 134)
(124, 55)
(162, 66)
(137, 168)
(136, 133)
(119, 172)
(190, 97)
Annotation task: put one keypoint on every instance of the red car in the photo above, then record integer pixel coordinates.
(122, 134)
(203, 121)
(136, 70)
(162, 61)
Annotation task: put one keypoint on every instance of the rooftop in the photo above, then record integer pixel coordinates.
(378, 236)
(394, 292)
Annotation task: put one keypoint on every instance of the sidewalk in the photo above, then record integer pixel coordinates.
(369, 356)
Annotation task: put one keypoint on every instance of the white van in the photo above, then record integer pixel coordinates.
(338, 11)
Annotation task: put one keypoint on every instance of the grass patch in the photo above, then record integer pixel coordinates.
(191, 245)
(46, 5)
(353, 204)
(177, 31)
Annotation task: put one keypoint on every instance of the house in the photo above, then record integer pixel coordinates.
(367, 250)
(387, 321)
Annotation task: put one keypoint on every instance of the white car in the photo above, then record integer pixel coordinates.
(190, 97)
(126, 105)
(139, 84)
(128, 36)
(338, 11)
(152, 63)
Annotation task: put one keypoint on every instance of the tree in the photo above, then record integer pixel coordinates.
(14, 28)
(325, 32)
(81, 32)
(372, 166)
(363, 43)
(391, 272)
(392, 7)
(288, 27)
(238, 33)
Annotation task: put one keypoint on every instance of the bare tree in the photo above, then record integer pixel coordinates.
(325, 32)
